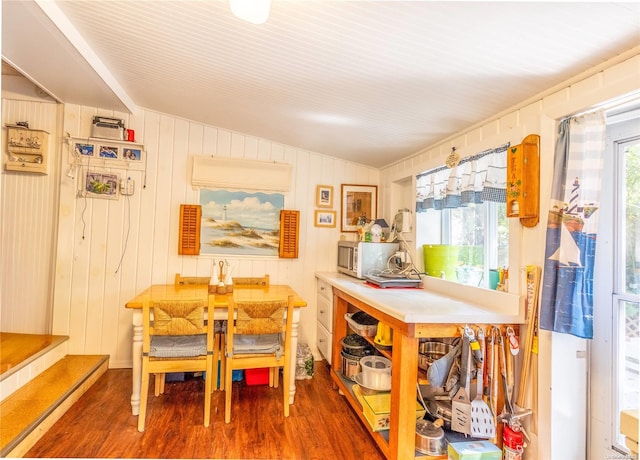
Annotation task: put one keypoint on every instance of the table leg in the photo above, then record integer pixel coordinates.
(294, 350)
(136, 363)
(404, 376)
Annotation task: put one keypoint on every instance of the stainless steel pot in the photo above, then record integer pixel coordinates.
(430, 437)
(429, 352)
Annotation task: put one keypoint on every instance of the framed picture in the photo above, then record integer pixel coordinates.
(324, 196)
(107, 151)
(85, 150)
(325, 218)
(99, 184)
(238, 223)
(358, 203)
(131, 154)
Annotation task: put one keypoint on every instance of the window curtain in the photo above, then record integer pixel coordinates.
(476, 179)
(567, 292)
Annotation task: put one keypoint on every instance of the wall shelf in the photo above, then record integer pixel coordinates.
(523, 181)
(27, 150)
(106, 153)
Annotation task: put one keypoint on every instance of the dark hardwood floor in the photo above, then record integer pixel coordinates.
(321, 424)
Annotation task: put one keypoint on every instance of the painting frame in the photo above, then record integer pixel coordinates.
(84, 149)
(324, 196)
(101, 184)
(108, 151)
(324, 218)
(356, 202)
(239, 223)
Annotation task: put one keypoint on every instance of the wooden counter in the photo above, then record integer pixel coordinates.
(412, 314)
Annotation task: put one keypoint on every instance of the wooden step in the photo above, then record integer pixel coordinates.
(19, 350)
(29, 412)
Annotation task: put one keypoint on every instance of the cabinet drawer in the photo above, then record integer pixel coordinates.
(325, 313)
(324, 342)
(324, 289)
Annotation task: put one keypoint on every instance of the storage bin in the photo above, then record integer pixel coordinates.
(257, 376)
(377, 410)
(474, 450)
(365, 330)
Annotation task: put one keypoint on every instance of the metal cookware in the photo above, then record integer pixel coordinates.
(430, 437)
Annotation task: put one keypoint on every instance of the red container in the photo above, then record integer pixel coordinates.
(257, 376)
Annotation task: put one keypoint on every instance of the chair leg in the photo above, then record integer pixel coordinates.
(144, 394)
(227, 391)
(208, 389)
(223, 362)
(286, 382)
(216, 359)
(159, 384)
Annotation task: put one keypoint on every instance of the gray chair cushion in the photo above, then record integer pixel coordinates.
(178, 346)
(259, 343)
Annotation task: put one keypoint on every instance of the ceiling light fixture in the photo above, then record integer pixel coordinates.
(253, 11)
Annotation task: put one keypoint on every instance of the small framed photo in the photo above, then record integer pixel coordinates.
(84, 150)
(325, 218)
(99, 184)
(107, 151)
(131, 154)
(324, 196)
(359, 203)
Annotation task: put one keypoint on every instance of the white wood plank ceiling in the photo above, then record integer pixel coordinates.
(369, 81)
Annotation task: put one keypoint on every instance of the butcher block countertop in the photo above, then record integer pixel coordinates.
(425, 305)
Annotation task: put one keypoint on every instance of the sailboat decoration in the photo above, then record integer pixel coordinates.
(570, 217)
(568, 253)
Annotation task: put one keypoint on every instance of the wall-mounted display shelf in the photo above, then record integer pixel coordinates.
(523, 181)
(27, 150)
(107, 153)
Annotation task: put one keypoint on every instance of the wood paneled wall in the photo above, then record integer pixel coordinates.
(29, 205)
(108, 250)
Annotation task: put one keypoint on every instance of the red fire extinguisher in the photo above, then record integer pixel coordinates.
(512, 442)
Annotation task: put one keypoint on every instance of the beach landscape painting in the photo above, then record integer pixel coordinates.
(240, 223)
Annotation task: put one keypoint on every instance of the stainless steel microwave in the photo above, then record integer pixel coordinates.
(357, 258)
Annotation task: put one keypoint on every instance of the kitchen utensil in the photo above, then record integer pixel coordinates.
(482, 425)
(439, 369)
(508, 406)
(376, 372)
(430, 437)
(460, 404)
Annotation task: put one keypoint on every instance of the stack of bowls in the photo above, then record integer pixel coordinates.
(354, 347)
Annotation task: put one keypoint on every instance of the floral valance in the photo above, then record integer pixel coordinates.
(476, 179)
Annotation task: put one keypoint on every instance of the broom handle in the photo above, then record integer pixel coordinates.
(533, 274)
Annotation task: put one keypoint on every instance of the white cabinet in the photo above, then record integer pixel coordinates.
(324, 304)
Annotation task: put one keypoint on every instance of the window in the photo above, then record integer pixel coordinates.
(614, 365)
(626, 276)
(461, 221)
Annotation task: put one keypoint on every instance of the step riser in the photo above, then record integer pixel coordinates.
(22, 373)
(28, 413)
(48, 420)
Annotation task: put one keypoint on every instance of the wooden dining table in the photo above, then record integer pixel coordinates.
(219, 303)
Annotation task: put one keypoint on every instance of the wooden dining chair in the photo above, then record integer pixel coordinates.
(176, 338)
(218, 355)
(262, 281)
(190, 280)
(258, 336)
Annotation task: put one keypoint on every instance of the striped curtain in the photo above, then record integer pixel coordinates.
(476, 179)
(567, 292)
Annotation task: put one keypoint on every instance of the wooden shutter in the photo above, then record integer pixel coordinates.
(289, 227)
(189, 238)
